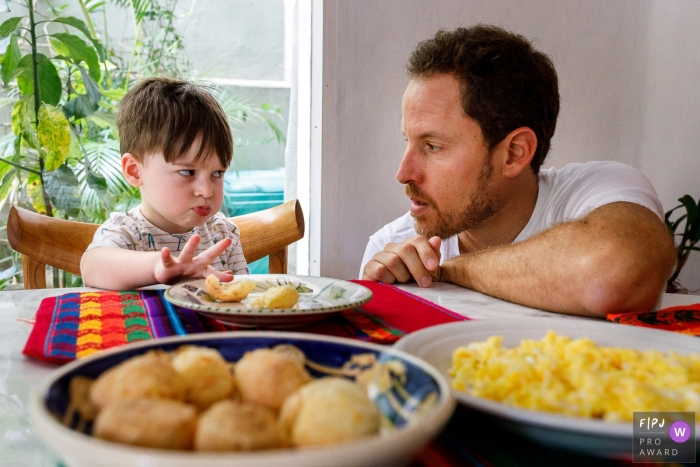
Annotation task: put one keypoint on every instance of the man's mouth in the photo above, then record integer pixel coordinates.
(202, 210)
(417, 201)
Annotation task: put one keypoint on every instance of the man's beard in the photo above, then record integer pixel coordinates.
(482, 205)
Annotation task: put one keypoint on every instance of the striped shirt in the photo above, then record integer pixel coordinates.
(132, 231)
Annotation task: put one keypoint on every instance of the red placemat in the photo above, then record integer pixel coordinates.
(684, 319)
(78, 324)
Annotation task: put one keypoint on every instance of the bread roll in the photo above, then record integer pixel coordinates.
(267, 377)
(153, 423)
(150, 375)
(328, 410)
(237, 426)
(206, 374)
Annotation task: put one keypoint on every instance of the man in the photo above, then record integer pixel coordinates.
(478, 116)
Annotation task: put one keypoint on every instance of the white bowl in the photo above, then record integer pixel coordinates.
(396, 447)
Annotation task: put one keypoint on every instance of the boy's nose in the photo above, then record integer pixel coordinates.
(203, 189)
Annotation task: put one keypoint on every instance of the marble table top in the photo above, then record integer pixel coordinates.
(19, 375)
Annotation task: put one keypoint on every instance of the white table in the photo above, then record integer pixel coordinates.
(19, 375)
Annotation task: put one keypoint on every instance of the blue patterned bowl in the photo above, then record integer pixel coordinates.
(413, 398)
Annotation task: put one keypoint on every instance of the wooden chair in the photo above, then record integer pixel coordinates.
(44, 240)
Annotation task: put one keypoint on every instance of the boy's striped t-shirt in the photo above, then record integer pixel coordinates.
(132, 231)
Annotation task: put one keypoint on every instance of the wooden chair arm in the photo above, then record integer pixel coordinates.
(267, 232)
(60, 243)
(48, 240)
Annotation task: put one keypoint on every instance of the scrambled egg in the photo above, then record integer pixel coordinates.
(575, 377)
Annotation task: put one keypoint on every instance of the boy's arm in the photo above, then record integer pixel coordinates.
(120, 269)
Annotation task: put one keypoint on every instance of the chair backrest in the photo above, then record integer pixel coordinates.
(59, 243)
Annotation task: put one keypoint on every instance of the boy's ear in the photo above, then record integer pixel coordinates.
(131, 168)
(518, 150)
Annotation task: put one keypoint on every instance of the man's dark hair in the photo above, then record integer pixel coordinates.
(506, 83)
(169, 116)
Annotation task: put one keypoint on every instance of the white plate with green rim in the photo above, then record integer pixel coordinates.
(319, 297)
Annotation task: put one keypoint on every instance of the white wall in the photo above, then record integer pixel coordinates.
(629, 74)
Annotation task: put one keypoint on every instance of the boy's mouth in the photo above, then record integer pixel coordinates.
(202, 210)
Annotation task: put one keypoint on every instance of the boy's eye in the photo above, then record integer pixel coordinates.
(219, 173)
(186, 173)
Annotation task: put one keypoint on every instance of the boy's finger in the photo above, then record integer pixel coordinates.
(208, 255)
(165, 257)
(188, 250)
(223, 276)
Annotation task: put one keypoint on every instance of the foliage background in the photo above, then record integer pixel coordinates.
(68, 163)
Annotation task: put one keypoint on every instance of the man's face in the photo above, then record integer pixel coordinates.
(447, 164)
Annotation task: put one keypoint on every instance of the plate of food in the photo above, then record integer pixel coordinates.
(250, 399)
(269, 300)
(565, 383)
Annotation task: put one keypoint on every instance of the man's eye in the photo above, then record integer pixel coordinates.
(186, 173)
(219, 173)
(432, 148)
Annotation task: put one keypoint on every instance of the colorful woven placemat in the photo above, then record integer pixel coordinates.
(684, 319)
(78, 324)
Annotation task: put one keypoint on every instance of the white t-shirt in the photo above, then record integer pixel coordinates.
(132, 231)
(564, 195)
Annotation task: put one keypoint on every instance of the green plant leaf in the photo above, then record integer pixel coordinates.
(62, 186)
(75, 22)
(97, 182)
(114, 94)
(75, 155)
(54, 136)
(9, 25)
(74, 47)
(93, 5)
(8, 181)
(25, 76)
(4, 168)
(676, 223)
(91, 88)
(50, 83)
(82, 27)
(104, 119)
(21, 123)
(78, 108)
(691, 207)
(35, 193)
(10, 60)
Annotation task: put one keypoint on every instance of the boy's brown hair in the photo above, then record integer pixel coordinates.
(169, 116)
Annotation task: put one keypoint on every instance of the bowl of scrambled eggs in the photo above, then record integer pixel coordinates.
(567, 383)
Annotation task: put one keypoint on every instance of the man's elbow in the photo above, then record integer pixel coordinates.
(627, 282)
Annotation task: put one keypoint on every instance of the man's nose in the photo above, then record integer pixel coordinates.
(408, 170)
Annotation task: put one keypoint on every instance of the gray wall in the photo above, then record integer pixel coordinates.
(629, 80)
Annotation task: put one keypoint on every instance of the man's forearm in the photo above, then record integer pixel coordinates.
(616, 259)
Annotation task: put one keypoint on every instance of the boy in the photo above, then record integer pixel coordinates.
(176, 146)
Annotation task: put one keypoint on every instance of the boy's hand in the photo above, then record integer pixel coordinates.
(170, 270)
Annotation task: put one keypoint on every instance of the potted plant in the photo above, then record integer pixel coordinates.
(686, 233)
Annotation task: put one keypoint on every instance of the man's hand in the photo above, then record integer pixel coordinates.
(417, 258)
(187, 266)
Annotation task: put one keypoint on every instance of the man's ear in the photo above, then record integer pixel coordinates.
(519, 148)
(132, 168)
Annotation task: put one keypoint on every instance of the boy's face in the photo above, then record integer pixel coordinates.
(176, 197)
